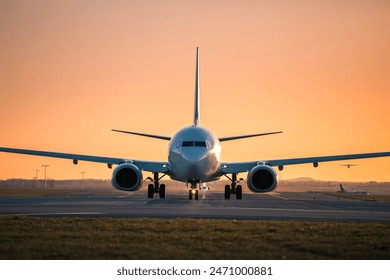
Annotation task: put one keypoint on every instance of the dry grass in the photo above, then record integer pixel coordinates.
(106, 238)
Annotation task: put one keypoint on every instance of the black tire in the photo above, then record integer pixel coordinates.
(239, 192)
(190, 194)
(150, 190)
(196, 195)
(227, 191)
(161, 191)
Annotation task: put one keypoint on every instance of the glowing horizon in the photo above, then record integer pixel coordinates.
(317, 71)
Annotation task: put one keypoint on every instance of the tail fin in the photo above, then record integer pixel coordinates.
(197, 105)
(342, 188)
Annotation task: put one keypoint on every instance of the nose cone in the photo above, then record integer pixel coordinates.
(194, 155)
(195, 164)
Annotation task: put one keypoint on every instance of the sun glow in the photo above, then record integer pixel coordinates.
(72, 71)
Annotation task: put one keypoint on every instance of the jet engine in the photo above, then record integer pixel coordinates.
(262, 178)
(127, 177)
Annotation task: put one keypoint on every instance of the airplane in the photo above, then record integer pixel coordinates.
(342, 190)
(348, 165)
(194, 157)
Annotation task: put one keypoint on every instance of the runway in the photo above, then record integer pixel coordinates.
(305, 206)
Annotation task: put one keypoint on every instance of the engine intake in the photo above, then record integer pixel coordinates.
(262, 178)
(127, 177)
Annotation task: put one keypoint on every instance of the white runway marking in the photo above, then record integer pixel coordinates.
(126, 195)
(277, 196)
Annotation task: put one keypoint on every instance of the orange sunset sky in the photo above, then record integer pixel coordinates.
(318, 70)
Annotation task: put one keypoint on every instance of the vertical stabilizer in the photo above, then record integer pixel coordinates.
(197, 105)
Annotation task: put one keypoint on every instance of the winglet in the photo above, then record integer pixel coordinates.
(197, 105)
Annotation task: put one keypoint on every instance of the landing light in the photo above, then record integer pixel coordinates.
(193, 192)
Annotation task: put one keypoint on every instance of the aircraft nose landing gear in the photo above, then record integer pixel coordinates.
(193, 192)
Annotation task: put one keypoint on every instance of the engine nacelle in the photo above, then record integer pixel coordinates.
(262, 178)
(127, 177)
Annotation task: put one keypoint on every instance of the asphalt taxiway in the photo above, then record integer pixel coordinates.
(270, 206)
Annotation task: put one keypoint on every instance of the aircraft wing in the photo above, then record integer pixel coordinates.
(237, 167)
(152, 166)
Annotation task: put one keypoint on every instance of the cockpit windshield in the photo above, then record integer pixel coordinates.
(188, 143)
(200, 143)
(193, 144)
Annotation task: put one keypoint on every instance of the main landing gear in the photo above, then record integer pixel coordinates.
(233, 188)
(156, 187)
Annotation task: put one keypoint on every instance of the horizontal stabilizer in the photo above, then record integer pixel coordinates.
(247, 136)
(144, 134)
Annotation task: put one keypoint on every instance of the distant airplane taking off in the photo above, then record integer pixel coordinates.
(348, 165)
(194, 158)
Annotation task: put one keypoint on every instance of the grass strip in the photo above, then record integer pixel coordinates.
(145, 238)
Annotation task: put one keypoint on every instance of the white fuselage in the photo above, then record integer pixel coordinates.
(194, 155)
